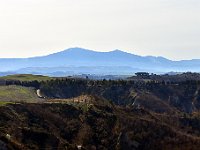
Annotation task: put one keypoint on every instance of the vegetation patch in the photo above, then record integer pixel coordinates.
(2, 103)
(13, 93)
(26, 77)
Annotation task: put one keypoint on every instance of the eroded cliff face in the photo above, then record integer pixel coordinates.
(100, 125)
(160, 97)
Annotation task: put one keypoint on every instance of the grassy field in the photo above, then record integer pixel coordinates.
(26, 77)
(5, 103)
(13, 93)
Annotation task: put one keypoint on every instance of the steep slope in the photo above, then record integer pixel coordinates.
(158, 97)
(102, 126)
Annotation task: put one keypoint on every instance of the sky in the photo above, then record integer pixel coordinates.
(169, 28)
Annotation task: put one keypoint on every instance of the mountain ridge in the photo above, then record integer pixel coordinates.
(78, 57)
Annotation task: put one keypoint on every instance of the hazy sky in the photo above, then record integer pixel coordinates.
(169, 28)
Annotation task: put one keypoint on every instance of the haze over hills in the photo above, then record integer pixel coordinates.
(82, 61)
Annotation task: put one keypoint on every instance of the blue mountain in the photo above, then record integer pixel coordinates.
(89, 61)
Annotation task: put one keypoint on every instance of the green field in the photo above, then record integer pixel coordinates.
(6, 103)
(26, 77)
(13, 93)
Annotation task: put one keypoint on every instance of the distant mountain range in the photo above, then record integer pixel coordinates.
(82, 61)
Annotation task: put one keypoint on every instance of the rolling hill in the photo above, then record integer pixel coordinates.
(26, 77)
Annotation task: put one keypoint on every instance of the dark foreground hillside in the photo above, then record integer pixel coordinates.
(100, 125)
(100, 114)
